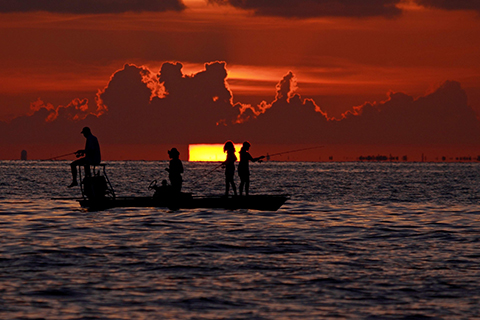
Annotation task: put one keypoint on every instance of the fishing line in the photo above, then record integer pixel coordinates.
(290, 151)
(267, 157)
(63, 155)
(196, 181)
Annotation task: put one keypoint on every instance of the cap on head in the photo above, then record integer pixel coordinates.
(173, 152)
(86, 130)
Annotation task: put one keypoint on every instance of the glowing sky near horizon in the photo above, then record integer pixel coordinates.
(342, 55)
(209, 152)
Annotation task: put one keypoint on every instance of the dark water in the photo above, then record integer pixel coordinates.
(355, 241)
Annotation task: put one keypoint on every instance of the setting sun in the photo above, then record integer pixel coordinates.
(208, 152)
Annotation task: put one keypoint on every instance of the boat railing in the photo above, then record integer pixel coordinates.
(96, 184)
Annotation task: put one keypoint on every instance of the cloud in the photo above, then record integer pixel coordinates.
(140, 106)
(317, 8)
(169, 105)
(76, 110)
(285, 90)
(304, 9)
(90, 6)
(285, 99)
(442, 117)
(451, 5)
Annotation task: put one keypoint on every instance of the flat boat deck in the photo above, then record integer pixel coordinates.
(186, 201)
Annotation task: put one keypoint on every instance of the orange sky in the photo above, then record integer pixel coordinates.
(340, 55)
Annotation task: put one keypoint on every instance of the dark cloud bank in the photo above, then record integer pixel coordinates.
(141, 107)
(451, 4)
(339, 8)
(278, 8)
(90, 6)
(316, 8)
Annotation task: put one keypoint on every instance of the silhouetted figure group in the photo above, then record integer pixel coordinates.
(91, 156)
(243, 167)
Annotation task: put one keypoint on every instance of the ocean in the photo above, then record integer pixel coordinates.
(355, 240)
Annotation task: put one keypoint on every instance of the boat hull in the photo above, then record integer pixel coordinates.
(253, 202)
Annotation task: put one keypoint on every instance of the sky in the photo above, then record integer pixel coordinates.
(398, 77)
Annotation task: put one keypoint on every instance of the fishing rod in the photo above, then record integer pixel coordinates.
(290, 151)
(214, 169)
(267, 157)
(63, 155)
(206, 174)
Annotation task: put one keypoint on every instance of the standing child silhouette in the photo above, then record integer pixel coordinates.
(229, 165)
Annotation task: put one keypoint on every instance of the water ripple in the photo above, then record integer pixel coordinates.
(355, 241)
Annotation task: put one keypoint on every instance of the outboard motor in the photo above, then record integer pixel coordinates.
(95, 187)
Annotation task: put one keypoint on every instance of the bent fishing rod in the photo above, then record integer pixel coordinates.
(196, 181)
(291, 151)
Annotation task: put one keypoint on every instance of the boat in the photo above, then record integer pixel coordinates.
(186, 201)
(98, 194)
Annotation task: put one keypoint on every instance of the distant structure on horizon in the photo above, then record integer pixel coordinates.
(382, 158)
(23, 155)
(423, 158)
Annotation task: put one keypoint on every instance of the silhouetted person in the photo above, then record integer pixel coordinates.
(91, 155)
(164, 191)
(175, 170)
(229, 165)
(164, 187)
(243, 167)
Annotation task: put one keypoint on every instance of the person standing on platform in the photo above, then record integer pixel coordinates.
(229, 165)
(91, 155)
(243, 167)
(175, 170)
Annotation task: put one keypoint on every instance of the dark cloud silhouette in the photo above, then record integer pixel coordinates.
(339, 8)
(451, 5)
(90, 6)
(442, 117)
(76, 110)
(139, 106)
(316, 8)
(169, 105)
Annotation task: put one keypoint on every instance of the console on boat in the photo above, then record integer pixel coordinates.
(96, 186)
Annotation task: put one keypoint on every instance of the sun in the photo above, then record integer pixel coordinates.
(209, 152)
